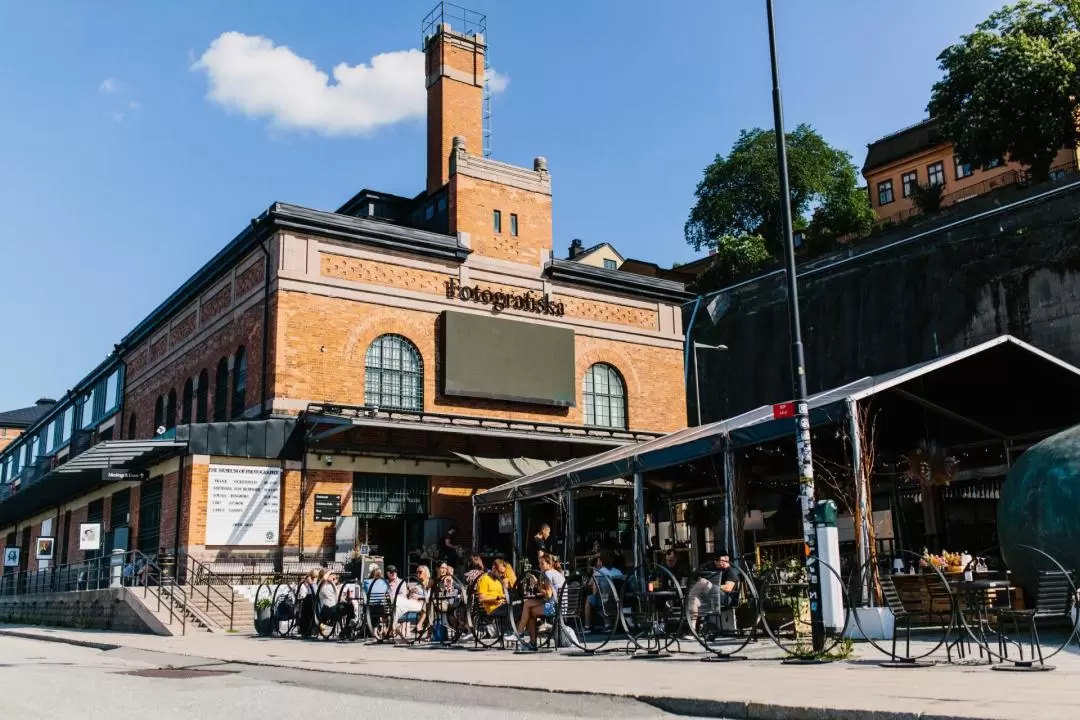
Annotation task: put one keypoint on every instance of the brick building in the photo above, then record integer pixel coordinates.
(331, 379)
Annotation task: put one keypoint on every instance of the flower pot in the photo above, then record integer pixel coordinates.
(263, 622)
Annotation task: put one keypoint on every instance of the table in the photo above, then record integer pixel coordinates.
(979, 596)
(656, 633)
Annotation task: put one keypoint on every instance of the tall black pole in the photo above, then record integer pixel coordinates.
(798, 363)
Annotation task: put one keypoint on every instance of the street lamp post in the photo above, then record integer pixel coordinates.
(697, 383)
(798, 362)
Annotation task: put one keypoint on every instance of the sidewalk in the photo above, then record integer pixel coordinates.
(759, 688)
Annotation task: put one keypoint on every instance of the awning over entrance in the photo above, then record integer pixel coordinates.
(82, 474)
(981, 387)
(508, 468)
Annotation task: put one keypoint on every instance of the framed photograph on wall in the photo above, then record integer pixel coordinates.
(46, 547)
(11, 557)
(89, 536)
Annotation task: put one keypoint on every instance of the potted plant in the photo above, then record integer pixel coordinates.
(263, 619)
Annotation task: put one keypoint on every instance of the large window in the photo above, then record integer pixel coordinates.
(963, 169)
(202, 397)
(69, 424)
(604, 396)
(389, 496)
(908, 182)
(221, 391)
(393, 374)
(239, 381)
(86, 416)
(935, 174)
(188, 402)
(884, 192)
(170, 410)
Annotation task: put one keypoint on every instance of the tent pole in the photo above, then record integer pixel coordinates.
(640, 544)
(570, 544)
(729, 503)
(475, 527)
(862, 549)
(517, 534)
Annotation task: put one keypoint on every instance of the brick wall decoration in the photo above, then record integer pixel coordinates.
(381, 273)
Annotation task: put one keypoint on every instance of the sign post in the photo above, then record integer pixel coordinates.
(327, 507)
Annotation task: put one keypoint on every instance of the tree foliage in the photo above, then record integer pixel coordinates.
(928, 197)
(1010, 89)
(739, 195)
(735, 256)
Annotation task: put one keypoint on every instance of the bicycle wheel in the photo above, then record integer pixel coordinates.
(789, 590)
(284, 610)
(350, 612)
(264, 610)
(653, 609)
(381, 601)
(722, 623)
(586, 598)
(448, 611)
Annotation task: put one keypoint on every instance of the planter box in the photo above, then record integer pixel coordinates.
(875, 623)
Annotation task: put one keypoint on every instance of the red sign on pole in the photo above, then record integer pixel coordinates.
(783, 410)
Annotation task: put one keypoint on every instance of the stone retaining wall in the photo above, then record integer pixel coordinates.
(109, 609)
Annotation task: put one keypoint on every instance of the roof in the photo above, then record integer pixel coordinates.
(576, 273)
(1028, 371)
(25, 417)
(901, 144)
(589, 251)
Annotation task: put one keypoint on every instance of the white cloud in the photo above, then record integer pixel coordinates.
(133, 104)
(109, 85)
(252, 75)
(496, 81)
(118, 117)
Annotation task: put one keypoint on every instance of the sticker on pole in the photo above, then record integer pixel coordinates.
(783, 410)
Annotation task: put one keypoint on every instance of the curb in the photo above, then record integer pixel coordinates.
(687, 707)
(60, 640)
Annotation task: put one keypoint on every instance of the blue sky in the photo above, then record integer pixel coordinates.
(119, 177)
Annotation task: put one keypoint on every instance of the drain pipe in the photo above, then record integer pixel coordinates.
(263, 412)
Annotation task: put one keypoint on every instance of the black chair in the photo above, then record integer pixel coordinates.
(1054, 599)
(939, 593)
(489, 628)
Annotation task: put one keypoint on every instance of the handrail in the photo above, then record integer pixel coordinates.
(200, 577)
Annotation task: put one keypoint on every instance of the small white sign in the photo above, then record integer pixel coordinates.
(365, 550)
(243, 505)
(89, 536)
(11, 557)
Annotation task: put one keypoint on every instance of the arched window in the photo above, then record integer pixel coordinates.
(202, 396)
(239, 381)
(393, 374)
(605, 397)
(221, 391)
(189, 401)
(170, 410)
(159, 414)
(131, 426)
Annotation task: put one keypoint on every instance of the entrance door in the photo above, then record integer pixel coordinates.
(150, 517)
(390, 511)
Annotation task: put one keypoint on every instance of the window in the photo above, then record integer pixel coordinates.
(963, 169)
(188, 402)
(935, 173)
(51, 436)
(884, 192)
(202, 396)
(389, 496)
(131, 426)
(996, 162)
(610, 264)
(112, 391)
(1056, 174)
(513, 224)
(239, 381)
(170, 411)
(221, 391)
(908, 181)
(497, 220)
(87, 416)
(604, 396)
(393, 374)
(69, 423)
(159, 414)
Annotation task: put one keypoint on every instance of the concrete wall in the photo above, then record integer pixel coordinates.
(109, 609)
(1017, 273)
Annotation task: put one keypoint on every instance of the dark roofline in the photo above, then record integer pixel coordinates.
(902, 131)
(350, 204)
(283, 216)
(577, 273)
(880, 154)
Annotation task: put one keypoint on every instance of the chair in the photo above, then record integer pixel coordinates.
(901, 616)
(938, 593)
(489, 629)
(570, 608)
(1054, 598)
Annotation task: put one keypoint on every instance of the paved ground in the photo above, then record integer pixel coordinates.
(98, 684)
(758, 688)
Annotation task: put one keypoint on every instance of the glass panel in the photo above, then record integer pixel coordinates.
(87, 411)
(112, 391)
(393, 374)
(50, 437)
(69, 423)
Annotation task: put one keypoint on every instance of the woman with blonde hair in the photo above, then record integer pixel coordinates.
(415, 596)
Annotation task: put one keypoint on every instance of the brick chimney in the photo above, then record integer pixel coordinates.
(576, 248)
(455, 96)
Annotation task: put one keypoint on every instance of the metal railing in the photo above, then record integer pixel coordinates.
(204, 589)
(132, 570)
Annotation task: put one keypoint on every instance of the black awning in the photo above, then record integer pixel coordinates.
(270, 439)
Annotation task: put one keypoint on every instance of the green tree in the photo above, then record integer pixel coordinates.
(1010, 88)
(739, 195)
(735, 256)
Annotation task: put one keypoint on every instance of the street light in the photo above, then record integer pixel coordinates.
(697, 383)
(798, 363)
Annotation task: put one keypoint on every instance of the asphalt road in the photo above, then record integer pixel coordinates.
(52, 681)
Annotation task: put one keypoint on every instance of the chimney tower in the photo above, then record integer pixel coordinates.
(454, 60)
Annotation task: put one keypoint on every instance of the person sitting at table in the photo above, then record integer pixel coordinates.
(327, 599)
(491, 588)
(599, 589)
(305, 594)
(671, 562)
(504, 571)
(541, 604)
(474, 571)
(718, 582)
(413, 598)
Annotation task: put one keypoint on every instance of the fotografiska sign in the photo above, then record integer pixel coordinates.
(540, 304)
